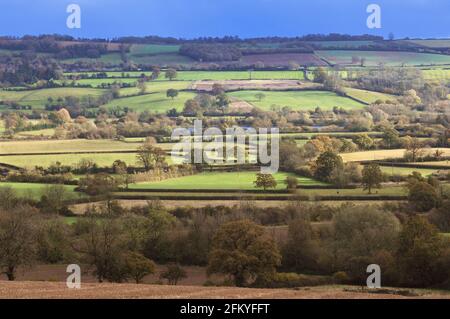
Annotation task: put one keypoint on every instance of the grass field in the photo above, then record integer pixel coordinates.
(438, 75)
(57, 146)
(298, 100)
(373, 58)
(102, 160)
(156, 87)
(138, 49)
(234, 180)
(34, 191)
(432, 43)
(38, 98)
(200, 75)
(155, 102)
(404, 171)
(368, 96)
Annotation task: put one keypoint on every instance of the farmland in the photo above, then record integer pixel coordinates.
(307, 100)
(94, 126)
(238, 180)
(387, 58)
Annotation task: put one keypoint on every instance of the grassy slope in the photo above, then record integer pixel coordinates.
(298, 100)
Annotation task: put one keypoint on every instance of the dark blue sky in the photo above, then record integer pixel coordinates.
(245, 18)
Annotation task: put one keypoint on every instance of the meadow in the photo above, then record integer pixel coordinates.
(389, 58)
(102, 160)
(368, 96)
(34, 191)
(232, 180)
(38, 98)
(155, 102)
(298, 100)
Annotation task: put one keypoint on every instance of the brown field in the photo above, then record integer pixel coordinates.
(385, 154)
(53, 290)
(283, 59)
(233, 85)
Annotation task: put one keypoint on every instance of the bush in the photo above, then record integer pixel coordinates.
(293, 280)
(340, 277)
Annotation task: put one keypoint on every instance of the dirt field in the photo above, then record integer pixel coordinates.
(49, 290)
(233, 85)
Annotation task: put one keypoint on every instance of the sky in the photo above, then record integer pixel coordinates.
(243, 18)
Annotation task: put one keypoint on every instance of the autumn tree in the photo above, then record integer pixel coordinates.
(243, 250)
(420, 247)
(150, 156)
(17, 239)
(138, 266)
(265, 181)
(372, 176)
(325, 164)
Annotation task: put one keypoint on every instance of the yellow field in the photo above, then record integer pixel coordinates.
(384, 154)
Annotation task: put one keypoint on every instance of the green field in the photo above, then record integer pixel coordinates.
(138, 49)
(390, 58)
(34, 191)
(234, 180)
(368, 96)
(155, 102)
(405, 171)
(438, 75)
(38, 98)
(58, 146)
(102, 160)
(298, 100)
(198, 75)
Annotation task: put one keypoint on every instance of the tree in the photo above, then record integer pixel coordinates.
(390, 138)
(260, 96)
(52, 199)
(172, 93)
(291, 182)
(420, 247)
(242, 249)
(141, 86)
(423, 196)
(17, 239)
(364, 141)
(171, 74)
(223, 101)
(150, 156)
(413, 148)
(320, 75)
(137, 266)
(372, 176)
(173, 274)
(98, 185)
(217, 89)
(155, 73)
(325, 164)
(265, 181)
